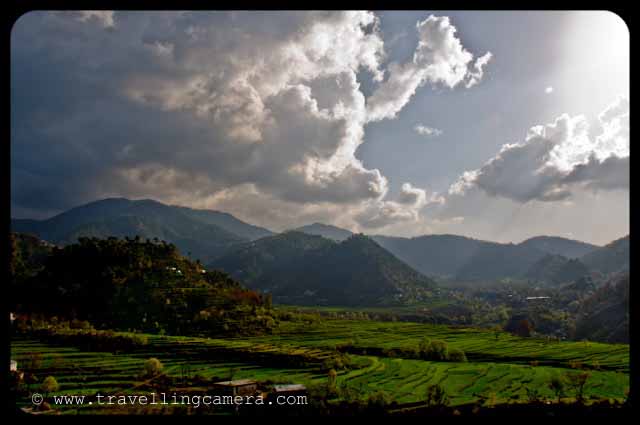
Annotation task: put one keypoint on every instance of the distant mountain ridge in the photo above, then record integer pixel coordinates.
(302, 269)
(203, 234)
(325, 230)
(613, 257)
(557, 269)
(464, 258)
(207, 234)
(555, 245)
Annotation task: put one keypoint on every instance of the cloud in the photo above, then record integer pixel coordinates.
(439, 58)
(103, 17)
(476, 73)
(405, 208)
(555, 158)
(427, 131)
(548, 90)
(209, 109)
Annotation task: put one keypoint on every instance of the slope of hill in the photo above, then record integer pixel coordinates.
(613, 257)
(310, 269)
(499, 261)
(267, 256)
(560, 246)
(203, 234)
(556, 269)
(326, 231)
(26, 256)
(131, 284)
(604, 316)
(227, 222)
(462, 258)
(441, 255)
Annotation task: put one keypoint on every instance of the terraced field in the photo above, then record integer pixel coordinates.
(499, 369)
(480, 345)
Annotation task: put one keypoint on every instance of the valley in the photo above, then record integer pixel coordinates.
(362, 322)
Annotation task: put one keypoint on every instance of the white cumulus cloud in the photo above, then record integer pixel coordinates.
(427, 131)
(439, 58)
(555, 158)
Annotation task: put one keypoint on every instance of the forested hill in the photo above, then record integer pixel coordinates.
(143, 285)
(613, 257)
(301, 268)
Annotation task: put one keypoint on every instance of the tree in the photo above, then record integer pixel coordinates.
(533, 395)
(438, 350)
(423, 346)
(379, 400)
(436, 396)
(49, 385)
(524, 328)
(457, 355)
(332, 378)
(152, 367)
(578, 381)
(557, 385)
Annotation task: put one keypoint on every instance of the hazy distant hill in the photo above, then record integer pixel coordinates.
(464, 258)
(560, 246)
(433, 254)
(310, 269)
(613, 257)
(192, 231)
(556, 269)
(325, 230)
(227, 222)
(499, 261)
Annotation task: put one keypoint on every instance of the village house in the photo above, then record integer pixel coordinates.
(240, 387)
(289, 390)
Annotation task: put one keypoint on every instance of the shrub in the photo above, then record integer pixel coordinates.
(557, 385)
(332, 378)
(49, 385)
(423, 346)
(457, 355)
(436, 396)
(379, 400)
(152, 367)
(438, 350)
(578, 381)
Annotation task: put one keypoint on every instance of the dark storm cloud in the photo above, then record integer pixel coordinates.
(178, 106)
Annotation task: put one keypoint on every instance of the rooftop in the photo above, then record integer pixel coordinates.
(236, 383)
(289, 387)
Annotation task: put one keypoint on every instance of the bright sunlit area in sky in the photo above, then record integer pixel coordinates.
(595, 61)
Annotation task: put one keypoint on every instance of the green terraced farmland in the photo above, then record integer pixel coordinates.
(479, 344)
(499, 369)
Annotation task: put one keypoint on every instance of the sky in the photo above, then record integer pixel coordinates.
(494, 125)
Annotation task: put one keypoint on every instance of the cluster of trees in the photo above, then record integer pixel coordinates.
(427, 349)
(439, 351)
(81, 335)
(131, 284)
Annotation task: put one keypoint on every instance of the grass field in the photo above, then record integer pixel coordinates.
(499, 369)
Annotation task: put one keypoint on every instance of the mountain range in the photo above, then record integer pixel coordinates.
(212, 235)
